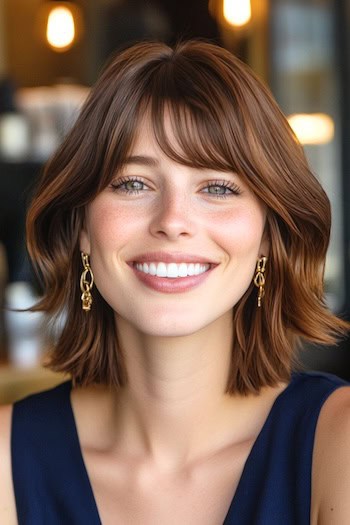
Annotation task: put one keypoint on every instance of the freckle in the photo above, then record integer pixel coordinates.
(331, 508)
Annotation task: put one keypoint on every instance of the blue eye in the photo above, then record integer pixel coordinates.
(131, 185)
(220, 189)
(134, 185)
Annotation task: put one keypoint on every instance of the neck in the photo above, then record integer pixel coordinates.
(173, 370)
(174, 412)
(174, 406)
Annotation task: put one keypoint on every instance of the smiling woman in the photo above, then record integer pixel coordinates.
(206, 111)
(173, 209)
(182, 203)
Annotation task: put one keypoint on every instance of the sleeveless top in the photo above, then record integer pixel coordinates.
(52, 486)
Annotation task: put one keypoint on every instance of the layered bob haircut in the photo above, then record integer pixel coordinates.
(222, 118)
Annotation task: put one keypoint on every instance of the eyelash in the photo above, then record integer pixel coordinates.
(117, 186)
(224, 184)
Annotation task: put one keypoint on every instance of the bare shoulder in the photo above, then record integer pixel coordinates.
(331, 462)
(7, 500)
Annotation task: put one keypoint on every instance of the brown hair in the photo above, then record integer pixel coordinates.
(223, 117)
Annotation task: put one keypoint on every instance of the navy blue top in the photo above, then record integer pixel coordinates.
(52, 486)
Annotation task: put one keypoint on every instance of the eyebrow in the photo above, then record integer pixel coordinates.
(141, 160)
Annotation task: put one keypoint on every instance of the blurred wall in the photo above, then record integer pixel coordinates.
(2, 39)
(108, 24)
(30, 62)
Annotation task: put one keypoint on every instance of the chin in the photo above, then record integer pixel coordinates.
(162, 325)
(172, 329)
(175, 332)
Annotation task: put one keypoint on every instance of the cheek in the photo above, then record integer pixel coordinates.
(108, 226)
(240, 231)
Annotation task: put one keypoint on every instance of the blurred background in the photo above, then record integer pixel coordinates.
(51, 52)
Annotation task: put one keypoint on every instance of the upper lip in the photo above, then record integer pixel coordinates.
(167, 257)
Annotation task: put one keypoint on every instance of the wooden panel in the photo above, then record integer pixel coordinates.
(17, 383)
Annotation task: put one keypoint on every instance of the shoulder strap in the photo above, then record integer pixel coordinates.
(275, 486)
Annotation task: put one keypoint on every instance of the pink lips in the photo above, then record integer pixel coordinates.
(164, 284)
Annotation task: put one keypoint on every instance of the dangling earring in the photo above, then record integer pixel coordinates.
(86, 283)
(259, 279)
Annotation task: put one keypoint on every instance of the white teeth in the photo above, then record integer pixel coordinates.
(190, 269)
(182, 270)
(153, 269)
(172, 270)
(161, 269)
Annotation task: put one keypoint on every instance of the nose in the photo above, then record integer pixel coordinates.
(173, 217)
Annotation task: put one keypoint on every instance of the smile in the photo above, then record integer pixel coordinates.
(171, 270)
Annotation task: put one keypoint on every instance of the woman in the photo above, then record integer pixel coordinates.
(180, 230)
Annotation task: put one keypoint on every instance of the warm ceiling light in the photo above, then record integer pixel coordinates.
(237, 12)
(312, 128)
(60, 31)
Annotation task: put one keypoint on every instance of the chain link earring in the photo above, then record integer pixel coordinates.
(86, 283)
(259, 279)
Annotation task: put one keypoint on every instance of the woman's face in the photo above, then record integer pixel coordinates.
(203, 222)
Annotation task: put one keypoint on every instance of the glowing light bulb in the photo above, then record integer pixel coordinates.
(237, 12)
(60, 30)
(312, 128)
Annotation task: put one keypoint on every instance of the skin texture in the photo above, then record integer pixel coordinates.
(331, 462)
(173, 370)
(173, 212)
(7, 500)
(171, 438)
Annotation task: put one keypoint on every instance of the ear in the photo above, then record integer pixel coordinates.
(84, 241)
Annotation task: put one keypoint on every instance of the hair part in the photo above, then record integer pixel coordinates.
(223, 118)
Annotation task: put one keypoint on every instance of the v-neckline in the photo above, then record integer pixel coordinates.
(87, 481)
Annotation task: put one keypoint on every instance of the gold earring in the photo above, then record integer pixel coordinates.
(86, 283)
(259, 279)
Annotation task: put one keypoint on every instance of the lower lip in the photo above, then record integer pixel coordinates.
(169, 285)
